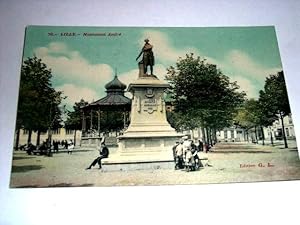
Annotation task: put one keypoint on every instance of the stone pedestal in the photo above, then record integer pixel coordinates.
(149, 137)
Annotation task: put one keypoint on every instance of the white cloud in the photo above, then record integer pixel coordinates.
(76, 93)
(128, 77)
(246, 86)
(246, 66)
(58, 47)
(71, 66)
(162, 47)
(249, 73)
(160, 71)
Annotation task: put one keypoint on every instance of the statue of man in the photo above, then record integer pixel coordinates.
(148, 57)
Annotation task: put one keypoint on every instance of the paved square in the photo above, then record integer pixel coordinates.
(228, 162)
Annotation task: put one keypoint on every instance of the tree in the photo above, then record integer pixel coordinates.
(274, 100)
(74, 120)
(112, 121)
(249, 117)
(38, 106)
(202, 95)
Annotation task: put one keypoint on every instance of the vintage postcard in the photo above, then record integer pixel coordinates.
(123, 106)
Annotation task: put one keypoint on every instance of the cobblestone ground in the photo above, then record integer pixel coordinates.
(228, 162)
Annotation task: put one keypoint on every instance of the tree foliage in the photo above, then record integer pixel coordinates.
(74, 120)
(274, 100)
(202, 95)
(274, 97)
(272, 105)
(248, 115)
(38, 107)
(37, 98)
(112, 121)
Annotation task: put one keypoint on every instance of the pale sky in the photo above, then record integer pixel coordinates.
(82, 65)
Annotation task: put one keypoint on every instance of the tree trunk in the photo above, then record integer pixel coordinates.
(203, 134)
(263, 135)
(215, 136)
(17, 139)
(272, 143)
(256, 139)
(49, 141)
(212, 137)
(209, 136)
(283, 132)
(91, 125)
(75, 137)
(29, 136)
(38, 139)
(199, 133)
(192, 134)
(83, 128)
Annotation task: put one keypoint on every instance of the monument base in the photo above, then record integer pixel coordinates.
(149, 139)
(139, 153)
(126, 164)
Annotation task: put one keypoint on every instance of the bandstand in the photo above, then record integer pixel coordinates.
(101, 111)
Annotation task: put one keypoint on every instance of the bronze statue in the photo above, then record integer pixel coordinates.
(148, 57)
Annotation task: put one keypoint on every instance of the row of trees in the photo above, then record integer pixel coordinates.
(39, 105)
(272, 105)
(204, 97)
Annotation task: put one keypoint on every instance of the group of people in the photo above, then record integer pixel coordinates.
(45, 148)
(42, 149)
(185, 153)
(69, 145)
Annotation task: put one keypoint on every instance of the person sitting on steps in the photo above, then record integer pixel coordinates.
(104, 152)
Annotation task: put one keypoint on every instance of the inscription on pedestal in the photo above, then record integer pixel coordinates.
(150, 105)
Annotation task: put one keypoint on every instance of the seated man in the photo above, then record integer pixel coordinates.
(103, 154)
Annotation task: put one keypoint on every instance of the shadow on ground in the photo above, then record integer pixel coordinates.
(73, 151)
(226, 152)
(70, 185)
(19, 157)
(236, 146)
(22, 169)
(56, 185)
(291, 149)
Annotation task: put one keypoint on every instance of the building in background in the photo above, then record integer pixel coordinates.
(60, 134)
(276, 129)
(237, 134)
